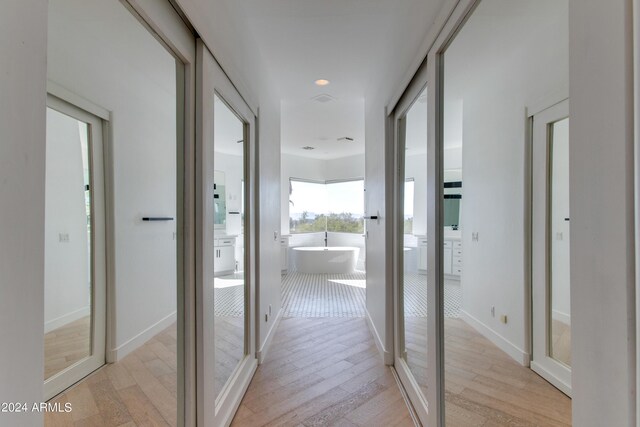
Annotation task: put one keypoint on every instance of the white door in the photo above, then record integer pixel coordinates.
(75, 263)
(225, 307)
(551, 285)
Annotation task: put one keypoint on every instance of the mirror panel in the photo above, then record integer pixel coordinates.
(68, 243)
(414, 216)
(229, 279)
(559, 276)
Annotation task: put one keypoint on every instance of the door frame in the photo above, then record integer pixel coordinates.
(97, 149)
(211, 80)
(541, 363)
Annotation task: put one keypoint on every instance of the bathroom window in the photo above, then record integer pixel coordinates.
(307, 206)
(345, 206)
(336, 206)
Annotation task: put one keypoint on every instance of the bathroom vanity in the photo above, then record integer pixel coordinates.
(452, 256)
(224, 255)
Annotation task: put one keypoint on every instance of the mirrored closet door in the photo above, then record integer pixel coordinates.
(226, 288)
(415, 351)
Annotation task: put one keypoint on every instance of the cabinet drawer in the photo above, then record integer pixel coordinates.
(457, 245)
(457, 271)
(448, 244)
(225, 242)
(457, 252)
(457, 261)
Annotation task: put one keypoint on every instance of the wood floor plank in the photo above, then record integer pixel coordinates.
(318, 385)
(139, 390)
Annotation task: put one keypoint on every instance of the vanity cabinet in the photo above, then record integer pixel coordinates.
(448, 255)
(284, 253)
(224, 256)
(453, 258)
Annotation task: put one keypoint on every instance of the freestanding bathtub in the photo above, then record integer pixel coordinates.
(320, 259)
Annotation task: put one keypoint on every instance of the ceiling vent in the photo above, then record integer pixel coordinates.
(345, 139)
(323, 98)
(307, 147)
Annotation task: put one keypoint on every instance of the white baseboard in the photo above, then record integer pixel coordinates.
(501, 342)
(116, 354)
(387, 356)
(262, 353)
(561, 317)
(66, 318)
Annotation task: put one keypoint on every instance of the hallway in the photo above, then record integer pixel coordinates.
(321, 372)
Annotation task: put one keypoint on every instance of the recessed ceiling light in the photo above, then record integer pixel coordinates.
(307, 147)
(322, 82)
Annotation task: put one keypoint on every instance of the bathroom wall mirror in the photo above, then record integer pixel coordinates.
(452, 201)
(219, 200)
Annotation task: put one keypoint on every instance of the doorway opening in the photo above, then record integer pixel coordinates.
(323, 227)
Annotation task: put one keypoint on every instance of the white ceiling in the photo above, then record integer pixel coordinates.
(364, 47)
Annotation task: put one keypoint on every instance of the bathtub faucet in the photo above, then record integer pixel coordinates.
(325, 239)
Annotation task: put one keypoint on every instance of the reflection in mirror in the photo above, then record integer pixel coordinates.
(506, 56)
(219, 200)
(560, 345)
(68, 280)
(228, 263)
(414, 215)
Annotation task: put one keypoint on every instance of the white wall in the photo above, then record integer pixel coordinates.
(66, 280)
(602, 231)
(23, 35)
(378, 291)
(99, 51)
(514, 67)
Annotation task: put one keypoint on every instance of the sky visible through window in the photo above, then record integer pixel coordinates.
(332, 206)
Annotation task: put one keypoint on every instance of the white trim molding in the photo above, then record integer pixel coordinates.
(262, 353)
(116, 354)
(387, 356)
(516, 353)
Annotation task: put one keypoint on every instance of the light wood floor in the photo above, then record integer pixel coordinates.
(229, 348)
(486, 387)
(66, 345)
(140, 390)
(323, 372)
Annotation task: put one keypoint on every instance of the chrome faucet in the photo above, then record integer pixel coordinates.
(325, 239)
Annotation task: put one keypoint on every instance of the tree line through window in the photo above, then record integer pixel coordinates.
(336, 206)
